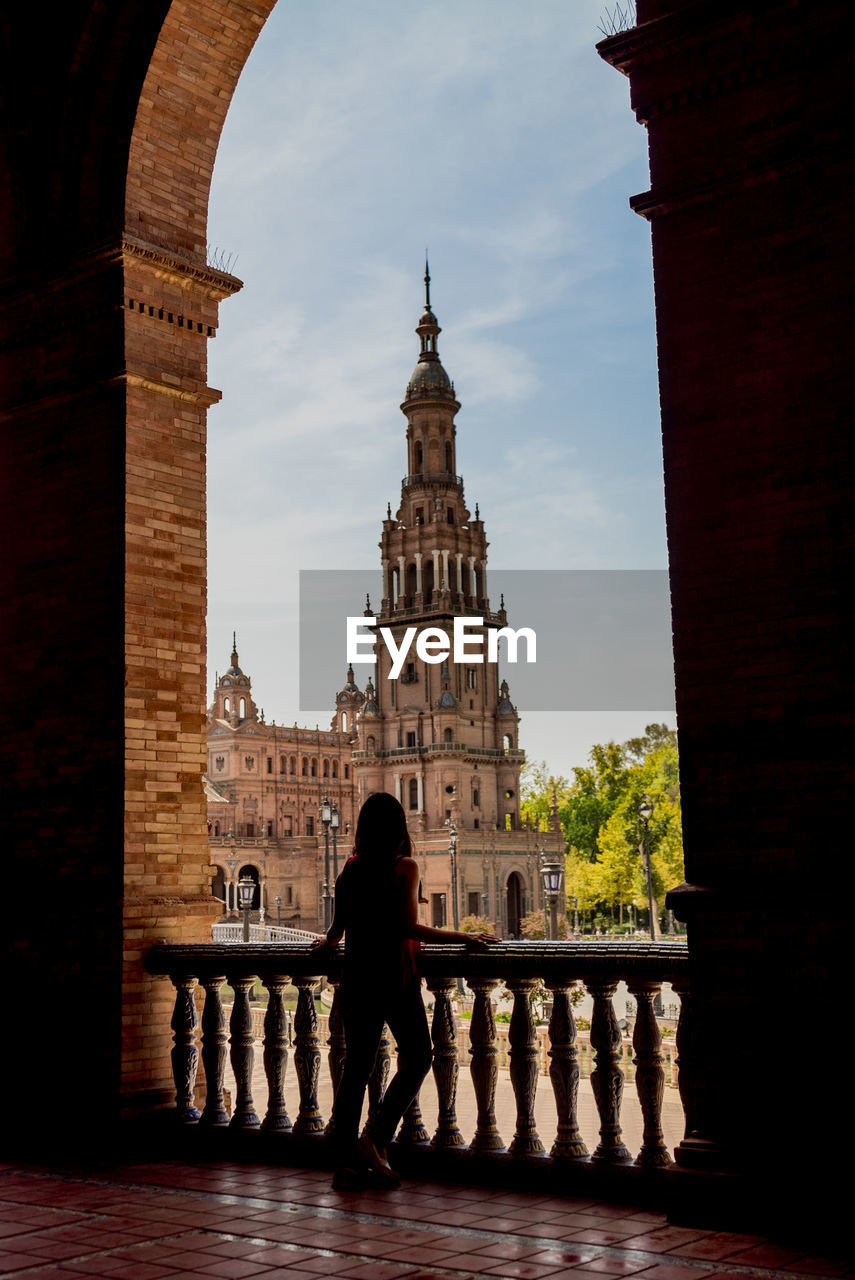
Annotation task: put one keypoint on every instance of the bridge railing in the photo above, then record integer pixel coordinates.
(520, 966)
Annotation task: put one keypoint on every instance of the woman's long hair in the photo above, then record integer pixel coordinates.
(381, 830)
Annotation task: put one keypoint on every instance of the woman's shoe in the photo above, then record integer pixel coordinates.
(376, 1157)
(348, 1179)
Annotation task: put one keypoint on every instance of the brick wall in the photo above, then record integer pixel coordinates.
(746, 109)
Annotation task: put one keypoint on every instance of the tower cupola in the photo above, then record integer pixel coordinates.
(429, 378)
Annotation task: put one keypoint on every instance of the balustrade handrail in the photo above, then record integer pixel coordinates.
(577, 960)
(644, 966)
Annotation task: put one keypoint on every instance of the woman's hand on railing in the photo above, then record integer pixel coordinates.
(480, 941)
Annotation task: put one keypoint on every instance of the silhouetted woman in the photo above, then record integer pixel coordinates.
(376, 910)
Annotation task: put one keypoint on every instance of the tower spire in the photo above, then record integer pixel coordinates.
(427, 283)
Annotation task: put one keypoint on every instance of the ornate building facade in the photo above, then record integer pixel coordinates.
(442, 737)
(265, 785)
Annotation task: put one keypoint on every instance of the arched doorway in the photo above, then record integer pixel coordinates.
(218, 886)
(514, 904)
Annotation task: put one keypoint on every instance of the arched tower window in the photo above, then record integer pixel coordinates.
(293, 765)
(419, 456)
(411, 580)
(448, 735)
(414, 793)
(448, 458)
(326, 768)
(314, 767)
(243, 708)
(226, 704)
(344, 722)
(335, 768)
(305, 767)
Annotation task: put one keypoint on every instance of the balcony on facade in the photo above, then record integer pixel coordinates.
(439, 748)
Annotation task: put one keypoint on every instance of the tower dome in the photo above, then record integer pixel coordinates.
(429, 378)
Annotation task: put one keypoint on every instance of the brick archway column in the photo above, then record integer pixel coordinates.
(107, 305)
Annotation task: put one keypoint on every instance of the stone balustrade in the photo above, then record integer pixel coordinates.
(527, 1050)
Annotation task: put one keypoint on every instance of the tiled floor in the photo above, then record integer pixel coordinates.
(172, 1221)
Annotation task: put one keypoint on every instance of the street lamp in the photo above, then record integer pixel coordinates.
(335, 820)
(645, 813)
(550, 871)
(326, 818)
(278, 901)
(452, 850)
(246, 893)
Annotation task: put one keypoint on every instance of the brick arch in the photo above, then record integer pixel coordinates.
(108, 308)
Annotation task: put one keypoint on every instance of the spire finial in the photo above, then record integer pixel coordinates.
(234, 649)
(427, 283)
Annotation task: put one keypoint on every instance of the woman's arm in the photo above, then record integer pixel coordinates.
(336, 930)
(409, 905)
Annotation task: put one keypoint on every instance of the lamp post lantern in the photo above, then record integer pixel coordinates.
(550, 871)
(645, 813)
(246, 893)
(326, 818)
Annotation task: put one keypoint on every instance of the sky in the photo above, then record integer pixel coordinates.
(496, 138)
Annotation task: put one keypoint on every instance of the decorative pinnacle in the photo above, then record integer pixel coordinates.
(502, 601)
(234, 649)
(477, 512)
(427, 283)
(388, 511)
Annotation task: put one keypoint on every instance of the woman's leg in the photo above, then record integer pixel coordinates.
(405, 1014)
(363, 1019)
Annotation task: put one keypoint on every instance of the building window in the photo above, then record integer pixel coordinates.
(473, 904)
(471, 678)
(420, 515)
(270, 829)
(437, 910)
(287, 825)
(450, 515)
(314, 767)
(270, 764)
(414, 793)
(411, 738)
(249, 761)
(216, 828)
(305, 766)
(293, 765)
(347, 771)
(344, 722)
(476, 798)
(243, 708)
(476, 823)
(448, 735)
(335, 768)
(289, 895)
(326, 768)
(226, 705)
(282, 765)
(310, 826)
(250, 830)
(221, 763)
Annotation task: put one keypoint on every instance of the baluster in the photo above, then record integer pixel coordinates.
(337, 1047)
(307, 1057)
(484, 1066)
(185, 1055)
(523, 1054)
(564, 1072)
(242, 1053)
(445, 1062)
(607, 1077)
(276, 1053)
(379, 1077)
(412, 1130)
(684, 1061)
(214, 1052)
(649, 1073)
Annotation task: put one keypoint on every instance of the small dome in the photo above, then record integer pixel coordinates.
(506, 708)
(428, 376)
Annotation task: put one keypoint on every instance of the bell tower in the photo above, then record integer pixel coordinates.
(233, 694)
(442, 736)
